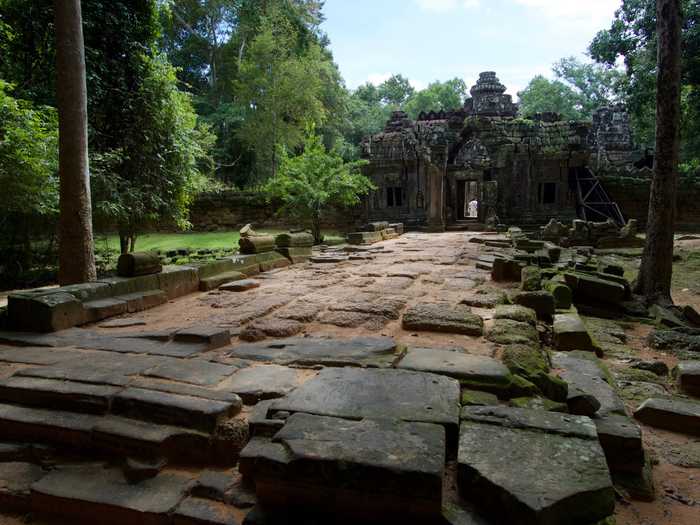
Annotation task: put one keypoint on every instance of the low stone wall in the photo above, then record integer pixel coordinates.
(231, 210)
(632, 195)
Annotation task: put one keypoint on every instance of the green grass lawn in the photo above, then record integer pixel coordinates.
(191, 240)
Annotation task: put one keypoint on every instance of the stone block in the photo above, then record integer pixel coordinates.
(589, 288)
(271, 260)
(531, 279)
(212, 336)
(296, 254)
(256, 244)
(398, 227)
(361, 238)
(294, 240)
(507, 270)
(103, 309)
(541, 302)
(569, 333)
(509, 332)
(515, 312)
(202, 511)
(388, 470)
(518, 465)
(140, 301)
(687, 373)
(621, 439)
(215, 281)
(129, 285)
(375, 226)
(177, 281)
(563, 296)
(17, 478)
(242, 285)
(671, 414)
(138, 263)
(443, 317)
(44, 313)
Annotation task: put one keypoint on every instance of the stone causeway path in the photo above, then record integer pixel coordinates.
(384, 385)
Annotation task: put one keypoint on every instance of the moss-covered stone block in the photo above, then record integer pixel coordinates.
(530, 279)
(478, 398)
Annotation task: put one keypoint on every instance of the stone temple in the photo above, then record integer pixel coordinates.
(483, 164)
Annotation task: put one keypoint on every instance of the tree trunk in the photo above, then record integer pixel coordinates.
(316, 227)
(654, 281)
(76, 255)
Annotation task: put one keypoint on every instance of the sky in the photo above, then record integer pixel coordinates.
(428, 40)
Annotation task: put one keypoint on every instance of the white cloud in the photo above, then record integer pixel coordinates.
(443, 6)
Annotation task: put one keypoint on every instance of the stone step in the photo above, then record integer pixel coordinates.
(57, 394)
(112, 435)
(174, 409)
(211, 283)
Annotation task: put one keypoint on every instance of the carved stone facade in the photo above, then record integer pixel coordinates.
(428, 171)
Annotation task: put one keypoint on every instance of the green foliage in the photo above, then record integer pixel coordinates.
(438, 96)
(396, 91)
(279, 90)
(544, 95)
(632, 38)
(309, 183)
(152, 177)
(28, 156)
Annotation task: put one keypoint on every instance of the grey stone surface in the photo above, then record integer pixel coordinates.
(44, 313)
(541, 302)
(443, 317)
(376, 393)
(672, 414)
(212, 336)
(588, 384)
(533, 467)
(260, 382)
(103, 309)
(16, 478)
(123, 323)
(94, 493)
(391, 466)
(359, 351)
(259, 329)
(456, 364)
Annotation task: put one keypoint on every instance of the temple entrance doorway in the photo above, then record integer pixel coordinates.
(468, 195)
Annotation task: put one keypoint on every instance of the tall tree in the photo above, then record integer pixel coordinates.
(76, 254)
(654, 281)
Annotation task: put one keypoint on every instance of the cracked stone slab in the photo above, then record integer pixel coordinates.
(359, 351)
(192, 371)
(456, 364)
(443, 317)
(376, 393)
(393, 467)
(261, 382)
(533, 467)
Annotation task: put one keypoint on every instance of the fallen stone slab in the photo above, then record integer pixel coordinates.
(506, 270)
(303, 239)
(589, 390)
(569, 333)
(528, 362)
(123, 323)
(388, 469)
(228, 279)
(533, 467)
(671, 414)
(457, 364)
(261, 382)
(309, 351)
(363, 238)
(95, 493)
(261, 422)
(687, 373)
(271, 261)
(249, 245)
(443, 317)
(36, 356)
(376, 393)
(486, 299)
(177, 281)
(587, 288)
(296, 255)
